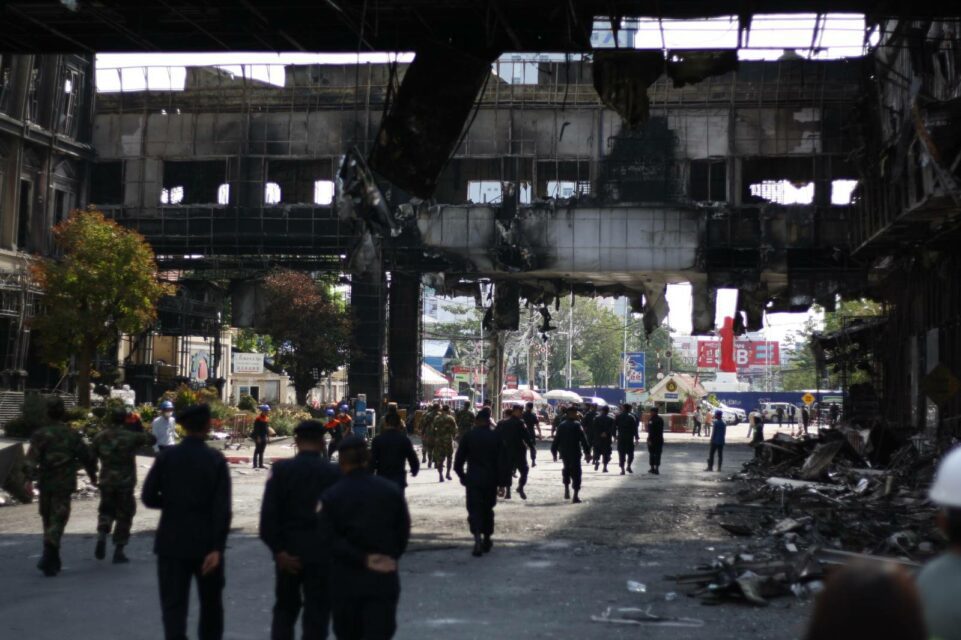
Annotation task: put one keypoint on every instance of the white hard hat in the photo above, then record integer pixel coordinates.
(946, 490)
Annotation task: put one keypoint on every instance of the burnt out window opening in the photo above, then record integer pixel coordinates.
(563, 189)
(783, 191)
(62, 205)
(72, 93)
(491, 192)
(223, 194)
(5, 63)
(26, 208)
(323, 191)
(272, 194)
(192, 181)
(106, 183)
(842, 191)
(33, 93)
(708, 181)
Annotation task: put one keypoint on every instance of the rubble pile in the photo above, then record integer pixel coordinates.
(807, 504)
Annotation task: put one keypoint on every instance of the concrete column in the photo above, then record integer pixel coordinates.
(365, 373)
(404, 339)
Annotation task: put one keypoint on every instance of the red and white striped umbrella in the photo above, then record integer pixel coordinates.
(445, 392)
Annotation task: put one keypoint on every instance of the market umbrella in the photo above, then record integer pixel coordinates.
(562, 396)
(445, 392)
(600, 402)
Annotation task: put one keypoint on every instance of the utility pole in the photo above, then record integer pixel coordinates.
(624, 350)
(570, 340)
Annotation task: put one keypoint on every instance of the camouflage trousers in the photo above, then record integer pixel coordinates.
(116, 505)
(55, 512)
(441, 454)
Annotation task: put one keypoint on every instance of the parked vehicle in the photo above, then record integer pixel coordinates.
(730, 415)
(769, 411)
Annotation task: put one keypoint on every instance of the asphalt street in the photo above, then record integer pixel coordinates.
(555, 565)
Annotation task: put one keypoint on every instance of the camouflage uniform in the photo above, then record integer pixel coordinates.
(426, 431)
(116, 448)
(442, 439)
(56, 453)
(465, 422)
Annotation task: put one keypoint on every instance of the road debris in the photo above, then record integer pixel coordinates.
(633, 615)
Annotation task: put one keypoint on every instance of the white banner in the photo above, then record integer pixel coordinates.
(248, 362)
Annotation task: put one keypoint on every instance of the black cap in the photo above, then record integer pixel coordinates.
(309, 429)
(195, 417)
(484, 413)
(571, 408)
(351, 443)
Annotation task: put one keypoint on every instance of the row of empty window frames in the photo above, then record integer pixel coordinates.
(786, 192)
(323, 193)
(491, 191)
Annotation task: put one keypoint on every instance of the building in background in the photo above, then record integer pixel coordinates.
(46, 122)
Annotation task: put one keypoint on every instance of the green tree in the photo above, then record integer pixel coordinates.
(309, 326)
(104, 284)
(249, 341)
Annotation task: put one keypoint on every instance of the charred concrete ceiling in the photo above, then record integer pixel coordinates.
(479, 26)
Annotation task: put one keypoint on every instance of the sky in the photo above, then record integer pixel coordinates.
(825, 37)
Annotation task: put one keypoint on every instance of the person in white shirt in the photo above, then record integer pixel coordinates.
(164, 426)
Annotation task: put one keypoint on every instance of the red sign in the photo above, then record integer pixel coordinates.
(747, 353)
(511, 382)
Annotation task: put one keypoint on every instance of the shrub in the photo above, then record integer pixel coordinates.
(247, 403)
(147, 413)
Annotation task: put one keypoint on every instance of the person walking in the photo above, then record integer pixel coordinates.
(442, 441)
(465, 420)
(426, 433)
(568, 443)
(164, 427)
(480, 451)
(627, 436)
(390, 450)
(780, 417)
(260, 433)
(655, 441)
(718, 435)
(116, 450)
(190, 484)
(369, 527)
(805, 419)
(696, 417)
(531, 421)
(517, 441)
(290, 528)
(603, 438)
(587, 422)
(56, 453)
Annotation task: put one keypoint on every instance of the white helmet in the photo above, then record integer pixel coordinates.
(946, 490)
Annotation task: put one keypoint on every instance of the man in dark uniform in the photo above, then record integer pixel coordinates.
(626, 426)
(390, 450)
(480, 450)
(369, 525)
(290, 528)
(568, 442)
(655, 441)
(531, 421)
(587, 422)
(517, 440)
(603, 438)
(260, 433)
(190, 484)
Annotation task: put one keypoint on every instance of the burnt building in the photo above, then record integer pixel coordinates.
(46, 111)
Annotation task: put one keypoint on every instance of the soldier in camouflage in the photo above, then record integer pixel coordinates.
(465, 421)
(442, 441)
(426, 430)
(116, 449)
(56, 453)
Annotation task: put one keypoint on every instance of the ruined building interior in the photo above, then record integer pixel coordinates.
(612, 171)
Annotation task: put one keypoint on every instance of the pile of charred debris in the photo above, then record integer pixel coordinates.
(806, 505)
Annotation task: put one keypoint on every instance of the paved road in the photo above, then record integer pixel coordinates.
(554, 564)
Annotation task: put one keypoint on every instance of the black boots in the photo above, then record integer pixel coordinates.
(629, 470)
(100, 551)
(487, 545)
(119, 557)
(50, 560)
(576, 500)
(520, 492)
(478, 547)
(567, 492)
(507, 494)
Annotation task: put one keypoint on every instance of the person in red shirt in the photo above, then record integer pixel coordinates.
(260, 433)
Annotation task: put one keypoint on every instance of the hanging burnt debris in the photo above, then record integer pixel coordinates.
(422, 126)
(690, 67)
(621, 79)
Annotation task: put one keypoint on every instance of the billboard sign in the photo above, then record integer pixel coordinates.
(464, 374)
(248, 362)
(636, 363)
(748, 354)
